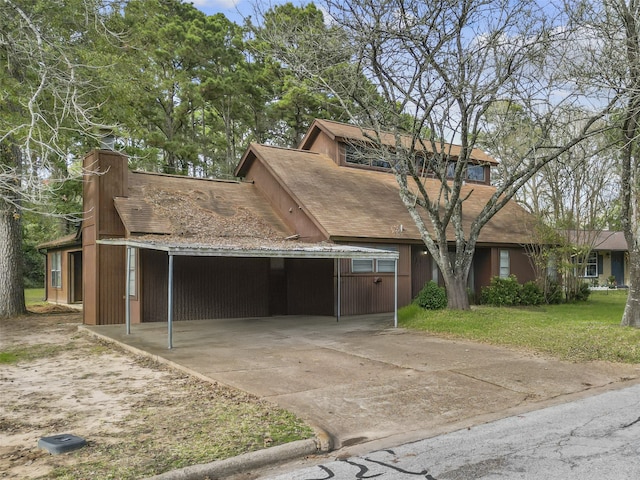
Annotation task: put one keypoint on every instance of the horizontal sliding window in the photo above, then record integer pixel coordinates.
(371, 265)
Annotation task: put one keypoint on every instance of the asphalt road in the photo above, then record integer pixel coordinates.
(593, 438)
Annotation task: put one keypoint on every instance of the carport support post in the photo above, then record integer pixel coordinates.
(127, 288)
(338, 292)
(395, 288)
(170, 302)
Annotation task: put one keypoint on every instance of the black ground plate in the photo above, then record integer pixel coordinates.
(61, 443)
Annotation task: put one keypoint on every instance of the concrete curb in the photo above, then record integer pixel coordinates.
(244, 462)
(322, 442)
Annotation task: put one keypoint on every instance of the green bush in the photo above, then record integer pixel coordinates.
(432, 296)
(502, 292)
(553, 293)
(582, 294)
(531, 294)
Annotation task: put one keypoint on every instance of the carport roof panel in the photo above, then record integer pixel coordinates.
(294, 250)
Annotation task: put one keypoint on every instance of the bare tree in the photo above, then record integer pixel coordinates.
(45, 105)
(444, 64)
(610, 49)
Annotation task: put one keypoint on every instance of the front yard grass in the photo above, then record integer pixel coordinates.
(33, 296)
(576, 332)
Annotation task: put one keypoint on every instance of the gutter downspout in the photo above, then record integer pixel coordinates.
(339, 289)
(395, 286)
(127, 289)
(46, 271)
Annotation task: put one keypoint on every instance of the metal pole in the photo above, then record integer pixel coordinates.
(170, 302)
(127, 315)
(339, 288)
(395, 285)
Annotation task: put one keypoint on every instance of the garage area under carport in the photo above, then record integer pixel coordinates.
(178, 281)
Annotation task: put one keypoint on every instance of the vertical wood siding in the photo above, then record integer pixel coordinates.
(111, 304)
(364, 293)
(90, 301)
(521, 265)
(420, 269)
(310, 287)
(205, 287)
(482, 269)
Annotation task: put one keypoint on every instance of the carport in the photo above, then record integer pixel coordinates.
(281, 250)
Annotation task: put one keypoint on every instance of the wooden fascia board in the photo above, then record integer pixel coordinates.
(244, 161)
(313, 132)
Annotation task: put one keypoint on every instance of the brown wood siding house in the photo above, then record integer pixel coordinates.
(286, 197)
(322, 197)
(63, 269)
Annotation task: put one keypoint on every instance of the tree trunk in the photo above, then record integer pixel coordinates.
(631, 316)
(457, 297)
(11, 283)
(630, 177)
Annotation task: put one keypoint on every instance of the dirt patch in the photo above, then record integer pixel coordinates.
(140, 418)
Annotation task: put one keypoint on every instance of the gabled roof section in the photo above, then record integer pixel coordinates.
(70, 240)
(350, 133)
(352, 203)
(600, 239)
(188, 209)
(608, 240)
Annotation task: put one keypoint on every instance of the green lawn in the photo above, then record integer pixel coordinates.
(578, 332)
(33, 295)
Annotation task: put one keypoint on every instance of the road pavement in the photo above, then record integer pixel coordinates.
(593, 438)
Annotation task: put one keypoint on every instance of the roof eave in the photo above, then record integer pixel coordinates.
(266, 251)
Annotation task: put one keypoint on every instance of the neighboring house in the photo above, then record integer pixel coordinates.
(608, 257)
(310, 231)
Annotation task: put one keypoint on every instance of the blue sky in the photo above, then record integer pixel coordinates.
(234, 10)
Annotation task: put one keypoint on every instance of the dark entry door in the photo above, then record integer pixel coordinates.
(617, 267)
(76, 277)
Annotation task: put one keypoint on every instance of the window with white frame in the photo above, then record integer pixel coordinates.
(370, 265)
(505, 264)
(56, 269)
(435, 270)
(362, 265)
(591, 265)
(132, 272)
(552, 268)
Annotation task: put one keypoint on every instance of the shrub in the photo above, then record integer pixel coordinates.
(582, 294)
(502, 292)
(553, 292)
(432, 296)
(531, 294)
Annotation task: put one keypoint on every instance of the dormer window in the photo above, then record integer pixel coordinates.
(474, 173)
(358, 155)
(361, 156)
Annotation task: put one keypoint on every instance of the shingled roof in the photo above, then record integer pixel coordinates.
(193, 210)
(352, 203)
(350, 133)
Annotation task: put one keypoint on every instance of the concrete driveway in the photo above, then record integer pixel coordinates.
(362, 380)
